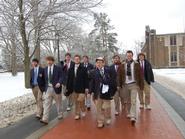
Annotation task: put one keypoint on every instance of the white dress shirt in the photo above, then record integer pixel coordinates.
(76, 68)
(52, 67)
(116, 67)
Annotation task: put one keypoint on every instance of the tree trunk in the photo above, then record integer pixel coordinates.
(13, 59)
(25, 45)
(37, 29)
(27, 69)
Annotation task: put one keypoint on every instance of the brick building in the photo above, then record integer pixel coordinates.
(164, 50)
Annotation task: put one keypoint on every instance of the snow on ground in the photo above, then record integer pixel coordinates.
(176, 74)
(11, 87)
(173, 79)
(16, 102)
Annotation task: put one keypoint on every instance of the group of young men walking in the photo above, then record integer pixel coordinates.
(83, 83)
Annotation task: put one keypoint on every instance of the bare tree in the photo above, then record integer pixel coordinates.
(138, 46)
(42, 11)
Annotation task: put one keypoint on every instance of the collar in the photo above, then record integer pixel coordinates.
(77, 65)
(52, 66)
(129, 62)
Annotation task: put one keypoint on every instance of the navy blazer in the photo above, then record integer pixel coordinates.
(40, 79)
(56, 78)
(96, 82)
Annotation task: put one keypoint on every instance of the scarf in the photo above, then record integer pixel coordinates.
(129, 72)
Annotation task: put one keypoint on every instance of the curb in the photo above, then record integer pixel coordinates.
(174, 116)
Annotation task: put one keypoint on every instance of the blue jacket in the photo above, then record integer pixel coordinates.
(56, 78)
(40, 79)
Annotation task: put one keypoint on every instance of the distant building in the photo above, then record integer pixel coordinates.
(164, 50)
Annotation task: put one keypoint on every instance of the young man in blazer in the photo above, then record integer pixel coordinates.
(118, 95)
(65, 66)
(102, 88)
(54, 81)
(77, 85)
(89, 67)
(147, 73)
(37, 82)
(130, 77)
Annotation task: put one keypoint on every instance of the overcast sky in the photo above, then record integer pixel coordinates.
(130, 17)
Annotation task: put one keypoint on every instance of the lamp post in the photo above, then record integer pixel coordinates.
(58, 45)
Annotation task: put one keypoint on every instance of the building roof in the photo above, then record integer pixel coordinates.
(181, 33)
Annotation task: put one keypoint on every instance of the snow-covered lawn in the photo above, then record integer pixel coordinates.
(11, 87)
(175, 74)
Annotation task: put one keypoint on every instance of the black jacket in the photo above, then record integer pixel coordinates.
(89, 68)
(57, 77)
(65, 70)
(98, 80)
(148, 72)
(40, 79)
(113, 77)
(79, 83)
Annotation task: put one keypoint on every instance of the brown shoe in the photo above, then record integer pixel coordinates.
(77, 117)
(100, 125)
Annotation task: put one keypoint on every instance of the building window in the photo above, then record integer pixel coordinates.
(173, 40)
(173, 56)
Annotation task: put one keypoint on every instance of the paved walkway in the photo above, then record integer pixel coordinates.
(154, 124)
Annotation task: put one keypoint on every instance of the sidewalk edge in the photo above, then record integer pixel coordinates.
(174, 116)
(37, 134)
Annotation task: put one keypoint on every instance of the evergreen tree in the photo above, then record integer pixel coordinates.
(105, 39)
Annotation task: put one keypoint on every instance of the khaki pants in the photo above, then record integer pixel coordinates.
(144, 95)
(119, 98)
(132, 91)
(49, 96)
(103, 110)
(68, 98)
(79, 100)
(88, 100)
(39, 102)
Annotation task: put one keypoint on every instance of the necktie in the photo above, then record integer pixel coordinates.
(50, 75)
(102, 72)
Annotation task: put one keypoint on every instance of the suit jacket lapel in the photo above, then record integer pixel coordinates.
(78, 69)
(32, 73)
(54, 72)
(46, 72)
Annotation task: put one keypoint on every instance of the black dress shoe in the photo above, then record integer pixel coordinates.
(44, 122)
(133, 121)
